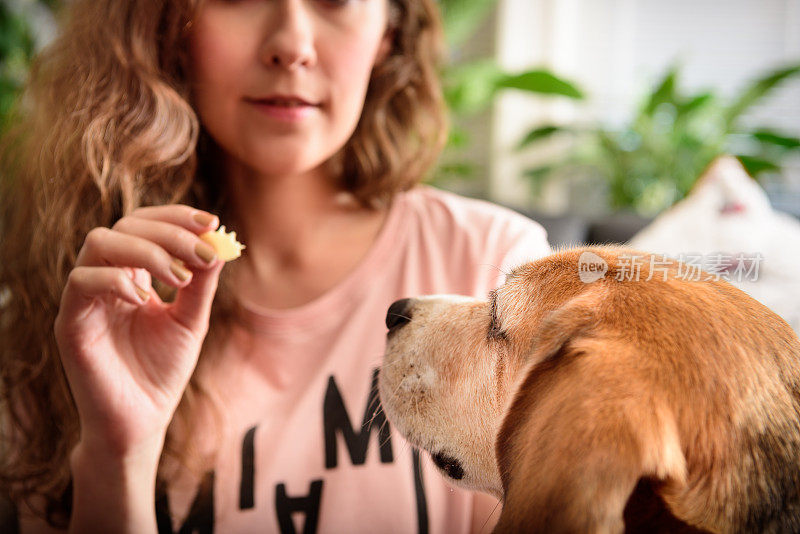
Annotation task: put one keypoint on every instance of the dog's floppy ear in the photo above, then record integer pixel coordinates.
(582, 431)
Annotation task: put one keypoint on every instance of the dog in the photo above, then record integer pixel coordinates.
(590, 400)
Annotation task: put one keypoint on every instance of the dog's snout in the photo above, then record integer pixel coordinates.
(399, 313)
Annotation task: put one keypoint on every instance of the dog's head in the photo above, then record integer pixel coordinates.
(452, 363)
(586, 380)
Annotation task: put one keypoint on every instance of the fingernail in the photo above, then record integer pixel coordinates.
(180, 271)
(204, 219)
(205, 252)
(144, 295)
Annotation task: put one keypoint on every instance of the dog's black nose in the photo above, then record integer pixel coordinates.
(398, 314)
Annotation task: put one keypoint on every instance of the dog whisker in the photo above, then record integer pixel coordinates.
(390, 365)
(496, 506)
(389, 437)
(374, 403)
(495, 267)
(375, 414)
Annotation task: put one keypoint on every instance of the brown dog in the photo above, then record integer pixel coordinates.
(652, 404)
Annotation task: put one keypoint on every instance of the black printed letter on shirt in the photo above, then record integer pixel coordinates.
(337, 420)
(285, 506)
(201, 515)
(246, 497)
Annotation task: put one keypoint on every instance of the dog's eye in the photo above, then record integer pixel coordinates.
(495, 331)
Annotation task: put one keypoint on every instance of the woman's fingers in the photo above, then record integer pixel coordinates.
(180, 215)
(93, 282)
(160, 241)
(141, 277)
(192, 306)
(178, 241)
(87, 284)
(104, 247)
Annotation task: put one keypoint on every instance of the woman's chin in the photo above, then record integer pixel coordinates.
(289, 163)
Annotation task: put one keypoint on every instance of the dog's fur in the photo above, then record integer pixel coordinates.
(650, 405)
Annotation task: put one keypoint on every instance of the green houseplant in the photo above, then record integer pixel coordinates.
(653, 161)
(16, 53)
(470, 87)
(18, 45)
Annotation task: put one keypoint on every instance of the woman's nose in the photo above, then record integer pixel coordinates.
(289, 38)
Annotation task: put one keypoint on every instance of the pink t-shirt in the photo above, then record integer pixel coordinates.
(297, 455)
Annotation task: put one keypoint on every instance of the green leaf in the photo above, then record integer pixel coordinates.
(694, 104)
(462, 17)
(542, 82)
(773, 138)
(757, 90)
(538, 176)
(540, 133)
(755, 165)
(462, 170)
(457, 138)
(538, 173)
(663, 93)
(471, 87)
(15, 35)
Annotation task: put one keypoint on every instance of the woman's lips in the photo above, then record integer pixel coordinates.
(283, 110)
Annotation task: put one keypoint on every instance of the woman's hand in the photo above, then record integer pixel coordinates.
(128, 356)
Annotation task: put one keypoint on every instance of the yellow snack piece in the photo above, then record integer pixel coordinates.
(224, 243)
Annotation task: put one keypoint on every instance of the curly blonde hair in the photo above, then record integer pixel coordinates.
(106, 125)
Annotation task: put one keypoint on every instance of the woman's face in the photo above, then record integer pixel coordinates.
(247, 54)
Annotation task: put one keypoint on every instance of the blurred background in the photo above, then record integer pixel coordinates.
(625, 103)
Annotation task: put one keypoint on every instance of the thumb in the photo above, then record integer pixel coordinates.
(192, 306)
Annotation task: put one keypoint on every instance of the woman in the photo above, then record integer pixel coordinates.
(302, 124)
